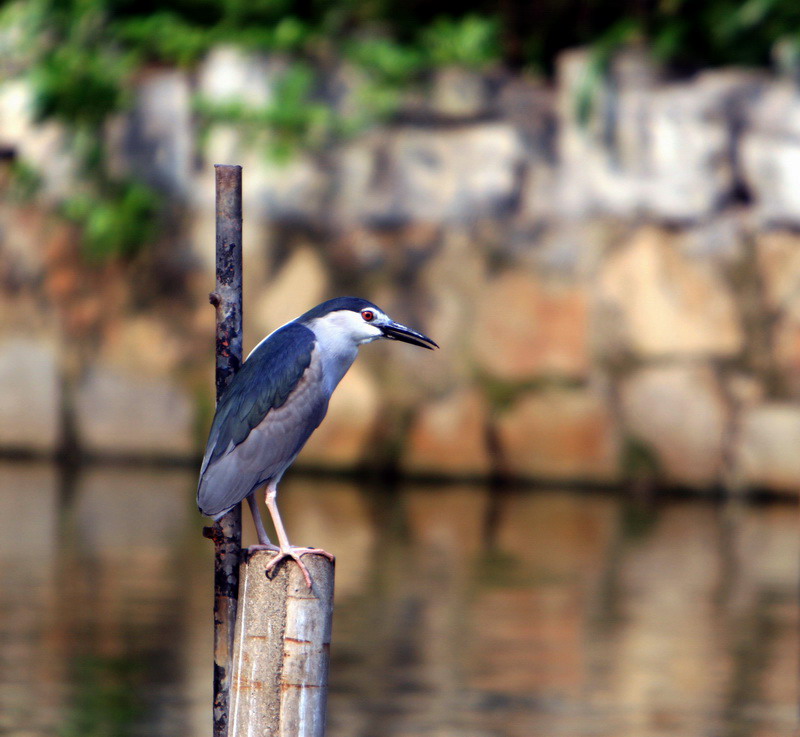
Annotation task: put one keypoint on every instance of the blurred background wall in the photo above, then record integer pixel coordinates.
(593, 209)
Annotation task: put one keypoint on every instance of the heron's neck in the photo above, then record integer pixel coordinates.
(337, 353)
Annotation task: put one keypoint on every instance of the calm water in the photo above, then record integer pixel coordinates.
(460, 611)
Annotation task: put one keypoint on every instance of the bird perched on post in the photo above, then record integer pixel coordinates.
(274, 403)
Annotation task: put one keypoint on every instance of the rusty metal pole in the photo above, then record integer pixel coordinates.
(227, 531)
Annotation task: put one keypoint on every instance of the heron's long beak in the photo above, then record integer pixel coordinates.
(396, 331)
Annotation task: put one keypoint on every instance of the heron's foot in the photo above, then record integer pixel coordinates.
(296, 554)
(262, 546)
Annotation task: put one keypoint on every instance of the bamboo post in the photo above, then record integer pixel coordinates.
(279, 685)
(227, 531)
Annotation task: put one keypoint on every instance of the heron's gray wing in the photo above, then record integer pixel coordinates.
(264, 382)
(270, 409)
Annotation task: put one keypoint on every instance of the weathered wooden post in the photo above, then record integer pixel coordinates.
(227, 531)
(279, 685)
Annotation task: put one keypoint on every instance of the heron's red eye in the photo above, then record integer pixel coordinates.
(368, 315)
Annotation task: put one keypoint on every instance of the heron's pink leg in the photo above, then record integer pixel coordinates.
(264, 542)
(287, 550)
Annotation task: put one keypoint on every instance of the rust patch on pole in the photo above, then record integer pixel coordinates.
(227, 531)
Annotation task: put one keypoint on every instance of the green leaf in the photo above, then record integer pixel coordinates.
(472, 41)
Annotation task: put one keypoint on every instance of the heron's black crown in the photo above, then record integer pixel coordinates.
(354, 304)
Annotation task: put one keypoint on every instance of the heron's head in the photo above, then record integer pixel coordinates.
(359, 321)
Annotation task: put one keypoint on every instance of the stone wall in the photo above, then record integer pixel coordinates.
(614, 279)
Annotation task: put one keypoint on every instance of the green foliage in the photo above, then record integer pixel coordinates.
(472, 41)
(25, 181)
(292, 119)
(692, 34)
(385, 59)
(294, 116)
(602, 53)
(81, 74)
(638, 459)
(689, 35)
(168, 37)
(80, 86)
(165, 36)
(387, 68)
(116, 222)
(80, 78)
(503, 394)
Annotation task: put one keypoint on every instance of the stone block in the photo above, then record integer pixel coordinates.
(786, 347)
(766, 449)
(30, 397)
(454, 175)
(343, 438)
(25, 233)
(679, 414)
(528, 103)
(124, 414)
(656, 301)
(154, 142)
(301, 283)
(560, 434)
(778, 258)
(230, 76)
(288, 191)
(44, 146)
(693, 130)
(448, 436)
(361, 167)
(769, 154)
(144, 344)
(527, 326)
(661, 150)
(460, 93)
(452, 281)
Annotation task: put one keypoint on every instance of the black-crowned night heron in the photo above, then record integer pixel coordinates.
(274, 403)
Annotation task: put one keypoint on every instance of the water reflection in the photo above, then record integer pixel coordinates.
(460, 611)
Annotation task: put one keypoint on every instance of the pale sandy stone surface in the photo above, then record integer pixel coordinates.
(527, 326)
(300, 284)
(766, 454)
(29, 394)
(448, 436)
(770, 154)
(656, 302)
(446, 176)
(560, 434)
(678, 413)
(778, 259)
(459, 93)
(120, 413)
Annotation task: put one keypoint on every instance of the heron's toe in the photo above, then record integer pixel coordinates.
(263, 546)
(296, 555)
(316, 551)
